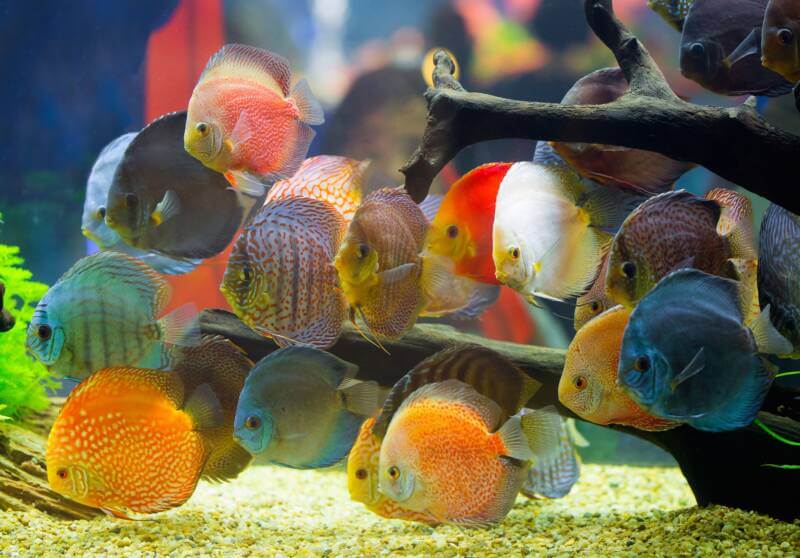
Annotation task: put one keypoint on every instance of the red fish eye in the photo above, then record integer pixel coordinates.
(785, 36)
(628, 269)
(452, 231)
(62, 474)
(580, 382)
(361, 474)
(44, 332)
(394, 472)
(252, 422)
(642, 364)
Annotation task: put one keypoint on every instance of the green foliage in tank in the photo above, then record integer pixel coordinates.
(23, 380)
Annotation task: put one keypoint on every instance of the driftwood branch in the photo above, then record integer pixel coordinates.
(735, 143)
(725, 468)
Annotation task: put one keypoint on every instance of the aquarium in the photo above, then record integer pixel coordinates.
(381, 278)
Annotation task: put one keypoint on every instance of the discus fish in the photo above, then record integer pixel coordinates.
(302, 408)
(673, 12)
(547, 237)
(688, 356)
(718, 48)
(462, 228)
(244, 121)
(644, 172)
(594, 302)
(780, 39)
(446, 454)
(93, 223)
(779, 272)
(378, 263)
(162, 199)
(554, 476)
(279, 279)
(329, 178)
(106, 311)
(588, 384)
(665, 233)
(135, 441)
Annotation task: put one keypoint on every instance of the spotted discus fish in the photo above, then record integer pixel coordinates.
(779, 271)
(329, 178)
(136, 441)
(106, 311)
(667, 232)
(673, 12)
(378, 263)
(280, 281)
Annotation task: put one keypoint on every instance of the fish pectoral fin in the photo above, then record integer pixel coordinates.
(399, 274)
(748, 47)
(241, 133)
(167, 208)
(359, 397)
(695, 366)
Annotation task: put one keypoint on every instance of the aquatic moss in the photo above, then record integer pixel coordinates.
(23, 380)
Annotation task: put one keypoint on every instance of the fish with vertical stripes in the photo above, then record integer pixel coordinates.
(107, 311)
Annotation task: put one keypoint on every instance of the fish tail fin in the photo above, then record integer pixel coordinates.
(167, 208)
(310, 109)
(768, 339)
(542, 429)
(359, 397)
(554, 477)
(607, 207)
(204, 407)
(430, 206)
(514, 440)
(180, 326)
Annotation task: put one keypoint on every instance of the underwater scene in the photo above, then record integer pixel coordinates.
(362, 278)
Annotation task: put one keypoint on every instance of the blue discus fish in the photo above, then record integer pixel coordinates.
(301, 408)
(688, 356)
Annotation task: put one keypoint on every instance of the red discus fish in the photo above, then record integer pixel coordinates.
(246, 122)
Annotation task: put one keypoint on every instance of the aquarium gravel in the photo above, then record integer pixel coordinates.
(269, 511)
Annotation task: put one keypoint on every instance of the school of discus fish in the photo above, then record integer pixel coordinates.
(160, 406)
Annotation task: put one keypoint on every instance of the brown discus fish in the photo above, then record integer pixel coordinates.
(594, 302)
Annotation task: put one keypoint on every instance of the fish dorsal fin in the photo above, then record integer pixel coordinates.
(767, 338)
(312, 360)
(457, 392)
(750, 46)
(264, 67)
(607, 206)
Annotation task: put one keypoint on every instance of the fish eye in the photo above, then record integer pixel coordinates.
(452, 231)
(100, 213)
(202, 129)
(252, 422)
(363, 250)
(514, 253)
(62, 473)
(595, 306)
(785, 36)
(131, 201)
(580, 382)
(361, 474)
(246, 274)
(697, 49)
(394, 472)
(628, 269)
(44, 332)
(641, 364)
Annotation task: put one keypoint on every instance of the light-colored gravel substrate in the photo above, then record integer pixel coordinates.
(613, 511)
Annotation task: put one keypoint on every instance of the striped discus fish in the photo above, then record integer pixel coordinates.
(328, 178)
(555, 475)
(379, 265)
(673, 12)
(279, 279)
(105, 312)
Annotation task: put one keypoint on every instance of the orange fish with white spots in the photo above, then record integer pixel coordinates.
(588, 384)
(329, 178)
(445, 455)
(136, 441)
(246, 121)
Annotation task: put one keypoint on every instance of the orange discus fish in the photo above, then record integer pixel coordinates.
(443, 455)
(136, 441)
(462, 228)
(329, 178)
(588, 383)
(244, 120)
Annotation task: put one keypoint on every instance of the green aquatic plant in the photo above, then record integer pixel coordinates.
(23, 381)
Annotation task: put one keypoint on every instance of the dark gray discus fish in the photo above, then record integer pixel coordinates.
(779, 271)
(163, 199)
(713, 32)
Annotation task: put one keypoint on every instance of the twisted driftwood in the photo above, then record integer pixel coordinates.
(735, 143)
